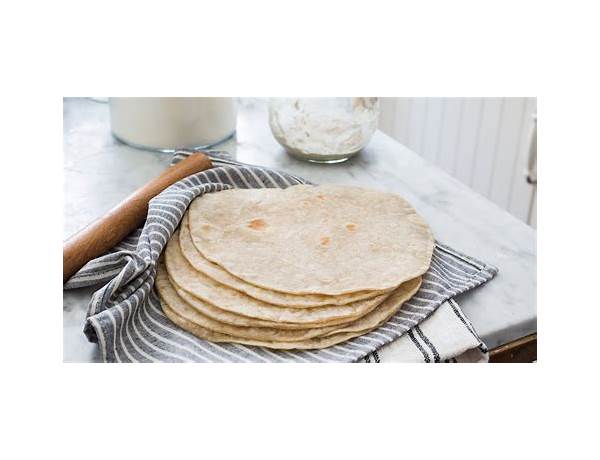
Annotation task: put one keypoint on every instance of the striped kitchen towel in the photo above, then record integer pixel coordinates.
(126, 320)
(446, 336)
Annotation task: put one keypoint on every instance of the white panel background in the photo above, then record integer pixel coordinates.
(483, 142)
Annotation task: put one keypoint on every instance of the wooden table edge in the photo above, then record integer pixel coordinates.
(523, 350)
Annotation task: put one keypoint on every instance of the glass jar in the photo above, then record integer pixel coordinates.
(323, 130)
(170, 123)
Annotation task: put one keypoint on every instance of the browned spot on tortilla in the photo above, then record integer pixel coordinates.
(320, 196)
(325, 241)
(351, 227)
(257, 224)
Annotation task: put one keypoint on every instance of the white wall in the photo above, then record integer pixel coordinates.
(484, 142)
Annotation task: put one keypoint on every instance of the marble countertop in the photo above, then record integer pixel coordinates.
(99, 171)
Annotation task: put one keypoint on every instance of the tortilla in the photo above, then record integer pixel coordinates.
(273, 337)
(225, 316)
(208, 290)
(206, 334)
(329, 239)
(169, 296)
(383, 312)
(214, 271)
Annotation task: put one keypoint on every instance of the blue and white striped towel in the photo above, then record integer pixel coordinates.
(126, 319)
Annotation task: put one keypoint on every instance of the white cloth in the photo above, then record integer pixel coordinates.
(446, 336)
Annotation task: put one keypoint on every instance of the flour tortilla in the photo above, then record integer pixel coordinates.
(264, 336)
(187, 324)
(383, 312)
(208, 290)
(169, 296)
(234, 319)
(327, 239)
(214, 271)
(211, 336)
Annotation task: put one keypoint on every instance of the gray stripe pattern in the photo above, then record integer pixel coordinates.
(126, 320)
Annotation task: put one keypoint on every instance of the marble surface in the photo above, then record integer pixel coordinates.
(99, 171)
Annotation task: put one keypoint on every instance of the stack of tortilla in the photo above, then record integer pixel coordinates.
(298, 268)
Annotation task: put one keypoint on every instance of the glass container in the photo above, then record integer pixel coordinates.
(170, 123)
(323, 130)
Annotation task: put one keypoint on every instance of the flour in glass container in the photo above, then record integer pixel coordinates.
(168, 123)
(321, 129)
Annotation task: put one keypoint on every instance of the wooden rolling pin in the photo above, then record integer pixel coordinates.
(101, 235)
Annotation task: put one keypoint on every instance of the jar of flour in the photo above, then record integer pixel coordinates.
(323, 130)
(170, 123)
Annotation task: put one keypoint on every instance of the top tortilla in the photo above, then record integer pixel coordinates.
(284, 299)
(209, 291)
(328, 239)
